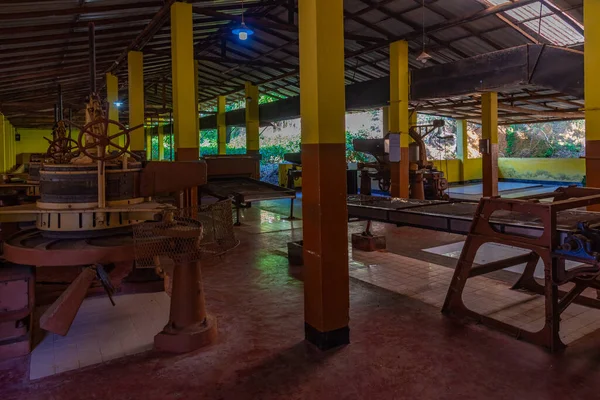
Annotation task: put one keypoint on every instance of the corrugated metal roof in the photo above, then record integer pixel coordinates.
(539, 18)
(44, 42)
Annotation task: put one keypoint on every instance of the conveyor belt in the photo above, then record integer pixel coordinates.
(246, 190)
(243, 191)
(455, 216)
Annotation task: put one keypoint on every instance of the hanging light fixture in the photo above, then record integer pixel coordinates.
(243, 31)
(423, 57)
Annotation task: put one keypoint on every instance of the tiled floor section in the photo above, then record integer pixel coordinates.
(101, 332)
(401, 348)
(491, 252)
(429, 283)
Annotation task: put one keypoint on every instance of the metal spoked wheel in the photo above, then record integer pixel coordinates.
(99, 131)
(63, 149)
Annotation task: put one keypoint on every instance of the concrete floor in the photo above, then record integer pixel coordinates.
(401, 347)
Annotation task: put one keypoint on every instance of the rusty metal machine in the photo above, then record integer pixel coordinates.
(93, 191)
(293, 174)
(426, 182)
(561, 286)
(551, 227)
(376, 148)
(237, 177)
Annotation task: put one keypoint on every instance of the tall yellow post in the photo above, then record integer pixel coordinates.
(196, 98)
(462, 147)
(149, 130)
(8, 161)
(13, 146)
(399, 119)
(221, 124)
(112, 96)
(412, 121)
(385, 123)
(3, 142)
(325, 229)
(252, 119)
(591, 10)
(161, 141)
(489, 134)
(135, 76)
(185, 106)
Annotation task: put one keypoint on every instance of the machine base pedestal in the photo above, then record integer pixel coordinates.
(368, 243)
(188, 339)
(326, 340)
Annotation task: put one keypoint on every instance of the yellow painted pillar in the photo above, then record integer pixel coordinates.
(149, 130)
(462, 147)
(112, 96)
(135, 76)
(3, 149)
(185, 106)
(196, 100)
(385, 120)
(489, 134)
(325, 226)
(13, 147)
(412, 121)
(591, 10)
(8, 164)
(221, 124)
(252, 119)
(161, 141)
(399, 116)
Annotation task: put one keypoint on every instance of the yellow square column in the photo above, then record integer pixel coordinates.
(13, 146)
(112, 96)
(412, 121)
(161, 140)
(462, 146)
(148, 133)
(196, 98)
(185, 105)
(135, 77)
(385, 120)
(221, 124)
(591, 11)
(8, 142)
(325, 217)
(399, 116)
(3, 148)
(489, 134)
(252, 119)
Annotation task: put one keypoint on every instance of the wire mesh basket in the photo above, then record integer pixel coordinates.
(185, 235)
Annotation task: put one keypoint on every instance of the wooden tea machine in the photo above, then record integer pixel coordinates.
(93, 191)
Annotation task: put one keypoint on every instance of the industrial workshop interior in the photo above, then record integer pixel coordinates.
(299, 199)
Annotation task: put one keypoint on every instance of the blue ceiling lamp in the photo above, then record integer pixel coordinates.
(243, 31)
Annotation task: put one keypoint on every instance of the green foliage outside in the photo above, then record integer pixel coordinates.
(561, 139)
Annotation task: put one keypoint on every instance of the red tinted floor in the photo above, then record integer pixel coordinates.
(401, 348)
